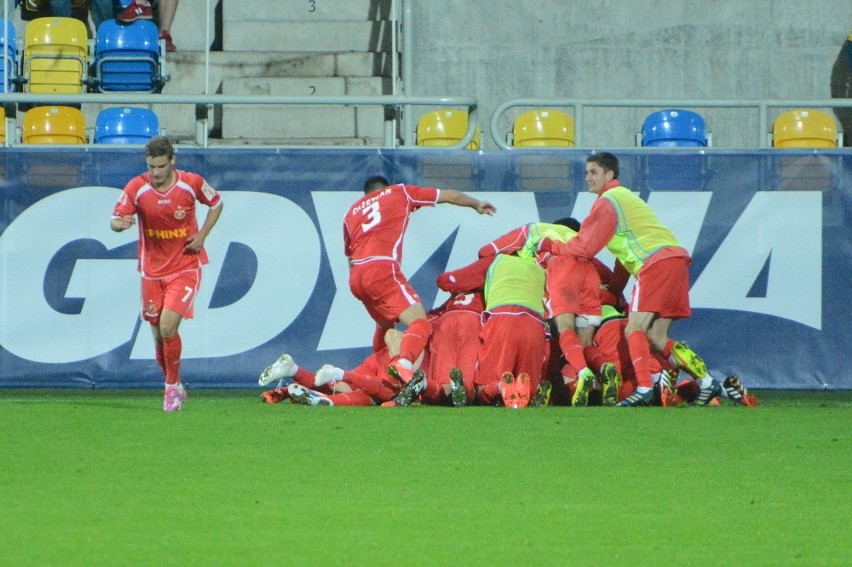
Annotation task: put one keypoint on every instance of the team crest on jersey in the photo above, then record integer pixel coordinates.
(151, 308)
(180, 214)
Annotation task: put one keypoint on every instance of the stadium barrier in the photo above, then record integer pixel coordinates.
(768, 230)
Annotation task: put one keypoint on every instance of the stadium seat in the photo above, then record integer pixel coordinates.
(56, 54)
(128, 57)
(445, 128)
(805, 129)
(674, 128)
(9, 42)
(54, 125)
(126, 125)
(543, 128)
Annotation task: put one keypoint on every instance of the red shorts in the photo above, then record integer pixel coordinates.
(663, 288)
(573, 286)
(383, 289)
(175, 293)
(513, 340)
(454, 344)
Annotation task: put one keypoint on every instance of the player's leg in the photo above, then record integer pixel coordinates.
(638, 323)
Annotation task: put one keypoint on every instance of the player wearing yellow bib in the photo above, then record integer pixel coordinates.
(627, 226)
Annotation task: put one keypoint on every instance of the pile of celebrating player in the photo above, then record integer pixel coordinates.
(537, 319)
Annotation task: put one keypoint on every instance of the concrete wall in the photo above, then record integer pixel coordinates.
(497, 51)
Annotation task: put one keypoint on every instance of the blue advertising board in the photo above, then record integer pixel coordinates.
(770, 232)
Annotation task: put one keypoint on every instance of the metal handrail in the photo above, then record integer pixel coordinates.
(579, 105)
(202, 102)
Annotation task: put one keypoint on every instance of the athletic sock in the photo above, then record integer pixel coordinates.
(572, 349)
(640, 354)
(171, 358)
(415, 339)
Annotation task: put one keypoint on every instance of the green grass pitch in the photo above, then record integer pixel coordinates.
(106, 478)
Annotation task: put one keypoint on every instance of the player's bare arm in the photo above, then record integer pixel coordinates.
(122, 223)
(464, 200)
(196, 242)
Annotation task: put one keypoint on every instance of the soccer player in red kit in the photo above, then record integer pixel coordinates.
(514, 329)
(453, 349)
(367, 384)
(170, 251)
(626, 225)
(373, 231)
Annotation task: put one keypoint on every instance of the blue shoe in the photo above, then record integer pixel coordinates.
(638, 399)
(707, 395)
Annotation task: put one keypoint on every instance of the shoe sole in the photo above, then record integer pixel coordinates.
(689, 361)
(457, 389)
(581, 394)
(612, 384)
(411, 390)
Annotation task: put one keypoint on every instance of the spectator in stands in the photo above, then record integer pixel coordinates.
(142, 10)
(101, 11)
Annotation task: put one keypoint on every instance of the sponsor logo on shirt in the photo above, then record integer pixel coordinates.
(167, 234)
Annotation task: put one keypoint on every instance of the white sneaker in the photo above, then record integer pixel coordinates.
(280, 370)
(301, 395)
(328, 374)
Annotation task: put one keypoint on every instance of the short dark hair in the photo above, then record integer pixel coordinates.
(375, 182)
(159, 146)
(570, 222)
(606, 160)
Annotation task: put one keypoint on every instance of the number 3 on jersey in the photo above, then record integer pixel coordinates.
(373, 216)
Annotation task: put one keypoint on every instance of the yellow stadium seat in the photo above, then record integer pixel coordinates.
(543, 128)
(445, 128)
(54, 125)
(804, 129)
(56, 54)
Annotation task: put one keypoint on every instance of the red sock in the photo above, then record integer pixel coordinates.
(372, 385)
(354, 398)
(161, 359)
(595, 357)
(571, 347)
(305, 377)
(640, 354)
(667, 350)
(171, 358)
(490, 394)
(414, 340)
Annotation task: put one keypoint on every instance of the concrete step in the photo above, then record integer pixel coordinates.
(307, 10)
(280, 121)
(322, 37)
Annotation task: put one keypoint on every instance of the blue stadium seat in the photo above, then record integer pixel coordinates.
(9, 43)
(128, 57)
(126, 125)
(674, 128)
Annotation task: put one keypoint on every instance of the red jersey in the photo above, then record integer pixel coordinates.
(166, 219)
(374, 226)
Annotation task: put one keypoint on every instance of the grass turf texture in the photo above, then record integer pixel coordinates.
(106, 478)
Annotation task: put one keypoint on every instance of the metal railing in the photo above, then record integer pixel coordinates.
(203, 103)
(762, 107)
